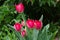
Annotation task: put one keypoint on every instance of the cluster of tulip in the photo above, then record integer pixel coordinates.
(31, 24)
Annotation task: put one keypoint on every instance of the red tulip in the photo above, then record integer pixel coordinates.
(30, 23)
(19, 8)
(23, 33)
(38, 24)
(17, 26)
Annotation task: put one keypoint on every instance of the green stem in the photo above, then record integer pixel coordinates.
(23, 17)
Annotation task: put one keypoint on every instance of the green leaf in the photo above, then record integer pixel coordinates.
(11, 27)
(49, 1)
(4, 10)
(54, 3)
(35, 34)
(54, 34)
(32, 1)
(18, 17)
(29, 34)
(41, 18)
(7, 38)
(44, 33)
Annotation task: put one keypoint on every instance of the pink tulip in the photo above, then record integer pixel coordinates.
(19, 8)
(38, 24)
(17, 26)
(30, 23)
(23, 33)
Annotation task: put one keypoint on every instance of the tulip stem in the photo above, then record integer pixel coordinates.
(23, 17)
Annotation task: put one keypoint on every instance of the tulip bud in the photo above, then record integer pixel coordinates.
(19, 8)
(30, 23)
(22, 23)
(38, 24)
(17, 26)
(23, 33)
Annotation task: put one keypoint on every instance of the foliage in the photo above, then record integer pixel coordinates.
(6, 34)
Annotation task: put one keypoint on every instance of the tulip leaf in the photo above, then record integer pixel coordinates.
(41, 18)
(44, 33)
(35, 34)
